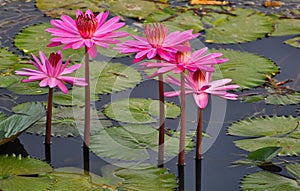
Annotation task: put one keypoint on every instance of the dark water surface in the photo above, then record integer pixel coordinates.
(217, 175)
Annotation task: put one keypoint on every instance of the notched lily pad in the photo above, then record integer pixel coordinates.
(69, 121)
(245, 69)
(75, 97)
(286, 27)
(8, 59)
(139, 110)
(228, 29)
(34, 38)
(26, 114)
(263, 180)
(24, 174)
(271, 132)
(132, 142)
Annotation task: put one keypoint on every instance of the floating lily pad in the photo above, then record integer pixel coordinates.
(227, 29)
(25, 115)
(67, 7)
(271, 132)
(69, 121)
(131, 143)
(264, 154)
(24, 174)
(8, 59)
(34, 38)
(28, 88)
(7, 80)
(139, 110)
(109, 52)
(263, 180)
(75, 97)
(285, 99)
(286, 27)
(245, 69)
(110, 77)
(295, 42)
(176, 20)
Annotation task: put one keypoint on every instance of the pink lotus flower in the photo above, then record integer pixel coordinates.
(200, 86)
(191, 62)
(158, 44)
(86, 30)
(50, 72)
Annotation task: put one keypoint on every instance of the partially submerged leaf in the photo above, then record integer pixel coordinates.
(264, 154)
(286, 27)
(295, 42)
(25, 115)
(24, 174)
(139, 110)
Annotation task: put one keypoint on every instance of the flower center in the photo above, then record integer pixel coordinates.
(54, 58)
(87, 25)
(199, 79)
(156, 34)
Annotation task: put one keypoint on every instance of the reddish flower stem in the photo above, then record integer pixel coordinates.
(182, 122)
(199, 135)
(87, 101)
(161, 120)
(49, 117)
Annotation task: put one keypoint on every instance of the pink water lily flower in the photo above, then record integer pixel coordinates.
(200, 85)
(51, 72)
(191, 62)
(158, 44)
(86, 30)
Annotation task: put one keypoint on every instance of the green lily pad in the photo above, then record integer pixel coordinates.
(265, 154)
(69, 121)
(245, 69)
(131, 143)
(8, 59)
(109, 52)
(111, 77)
(25, 115)
(286, 27)
(264, 180)
(67, 7)
(271, 132)
(285, 99)
(175, 20)
(24, 174)
(229, 29)
(75, 97)
(7, 80)
(139, 110)
(295, 42)
(28, 88)
(34, 38)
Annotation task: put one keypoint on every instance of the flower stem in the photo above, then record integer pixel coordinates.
(49, 117)
(199, 135)
(182, 122)
(161, 120)
(87, 101)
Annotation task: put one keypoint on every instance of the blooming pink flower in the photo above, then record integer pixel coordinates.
(200, 85)
(158, 44)
(86, 30)
(197, 60)
(50, 72)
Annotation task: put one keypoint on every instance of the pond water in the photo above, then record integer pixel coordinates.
(216, 173)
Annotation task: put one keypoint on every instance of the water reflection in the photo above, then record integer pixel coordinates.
(198, 174)
(48, 153)
(181, 177)
(86, 159)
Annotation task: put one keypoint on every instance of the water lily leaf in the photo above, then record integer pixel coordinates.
(286, 27)
(34, 38)
(110, 77)
(284, 99)
(264, 180)
(131, 142)
(28, 88)
(177, 20)
(265, 154)
(75, 97)
(69, 121)
(252, 98)
(245, 69)
(294, 170)
(109, 52)
(25, 115)
(7, 80)
(272, 132)
(132, 8)
(295, 42)
(229, 29)
(8, 59)
(67, 7)
(139, 110)
(24, 174)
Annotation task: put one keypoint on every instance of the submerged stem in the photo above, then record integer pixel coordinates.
(199, 136)
(161, 120)
(49, 117)
(87, 100)
(182, 122)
